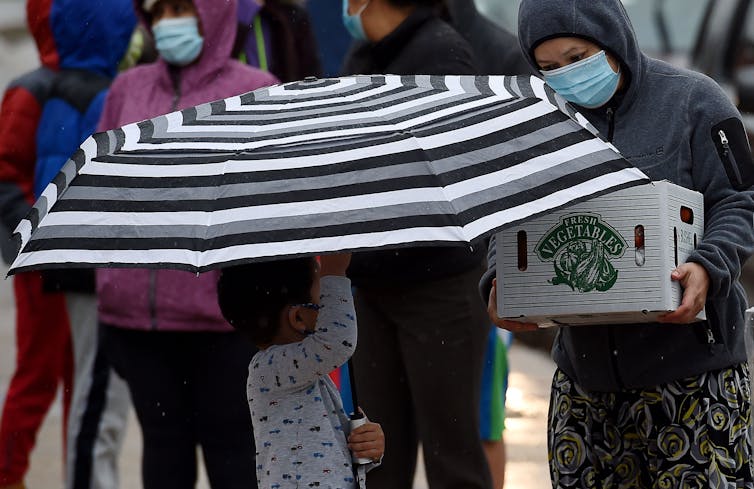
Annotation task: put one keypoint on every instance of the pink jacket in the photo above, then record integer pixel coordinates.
(168, 299)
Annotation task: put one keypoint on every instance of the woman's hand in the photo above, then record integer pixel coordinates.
(694, 280)
(367, 441)
(504, 323)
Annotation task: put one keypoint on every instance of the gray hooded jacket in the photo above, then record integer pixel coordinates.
(667, 122)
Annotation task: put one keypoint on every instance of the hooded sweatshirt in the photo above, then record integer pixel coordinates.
(169, 299)
(667, 122)
(48, 112)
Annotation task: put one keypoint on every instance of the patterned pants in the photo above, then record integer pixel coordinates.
(692, 433)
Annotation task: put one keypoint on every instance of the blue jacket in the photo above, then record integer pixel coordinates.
(667, 122)
(90, 38)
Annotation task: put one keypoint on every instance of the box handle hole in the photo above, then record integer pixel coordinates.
(687, 215)
(523, 256)
(675, 245)
(639, 251)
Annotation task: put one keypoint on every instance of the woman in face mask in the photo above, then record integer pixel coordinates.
(184, 365)
(579, 70)
(401, 371)
(176, 30)
(667, 404)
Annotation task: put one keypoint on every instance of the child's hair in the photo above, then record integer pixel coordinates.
(252, 296)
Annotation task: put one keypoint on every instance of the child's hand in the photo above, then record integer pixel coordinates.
(335, 264)
(367, 441)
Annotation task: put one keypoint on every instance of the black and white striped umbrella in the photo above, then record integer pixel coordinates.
(317, 166)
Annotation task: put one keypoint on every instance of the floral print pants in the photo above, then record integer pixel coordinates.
(691, 433)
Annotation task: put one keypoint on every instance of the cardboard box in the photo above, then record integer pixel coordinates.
(603, 261)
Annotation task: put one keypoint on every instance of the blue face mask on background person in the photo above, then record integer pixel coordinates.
(178, 40)
(590, 83)
(353, 23)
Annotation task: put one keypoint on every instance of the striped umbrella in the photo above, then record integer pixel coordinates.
(317, 166)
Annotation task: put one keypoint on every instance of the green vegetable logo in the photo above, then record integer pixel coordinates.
(581, 247)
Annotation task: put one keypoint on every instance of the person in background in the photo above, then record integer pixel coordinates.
(422, 329)
(45, 115)
(184, 365)
(665, 404)
(496, 52)
(301, 317)
(276, 36)
(492, 403)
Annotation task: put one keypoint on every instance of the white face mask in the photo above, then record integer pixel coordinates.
(589, 83)
(178, 40)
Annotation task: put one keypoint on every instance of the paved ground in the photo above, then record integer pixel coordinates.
(525, 436)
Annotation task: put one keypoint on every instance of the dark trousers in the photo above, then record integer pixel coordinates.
(418, 368)
(188, 389)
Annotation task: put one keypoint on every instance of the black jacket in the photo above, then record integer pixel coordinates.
(422, 45)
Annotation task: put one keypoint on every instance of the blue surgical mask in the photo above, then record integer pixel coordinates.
(589, 83)
(178, 40)
(353, 23)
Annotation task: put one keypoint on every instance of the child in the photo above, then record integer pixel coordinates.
(302, 319)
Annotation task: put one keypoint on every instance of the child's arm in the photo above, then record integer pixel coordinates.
(292, 366)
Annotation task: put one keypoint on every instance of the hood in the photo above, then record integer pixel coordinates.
(604, 22)
(81, 34)
(218, 22)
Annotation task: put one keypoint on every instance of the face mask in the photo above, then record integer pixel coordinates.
(353, 23)
(178, 40)
(590, 83)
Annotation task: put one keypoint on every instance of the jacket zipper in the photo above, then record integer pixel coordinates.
(176, 79)
(728, 155)
(610, 124)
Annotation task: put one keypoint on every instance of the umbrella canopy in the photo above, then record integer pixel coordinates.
(317, 166)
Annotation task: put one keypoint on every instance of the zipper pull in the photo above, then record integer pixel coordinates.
(610, 112)
(724, 141)
(728, 155)
(710, 337)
